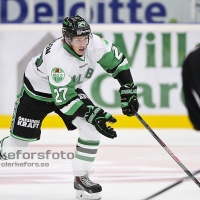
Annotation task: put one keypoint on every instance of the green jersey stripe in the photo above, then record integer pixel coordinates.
(123, 66)
(40, 98)
(72, 107)
(24, 139)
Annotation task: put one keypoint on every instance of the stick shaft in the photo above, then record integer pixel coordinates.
(167, 149)
(171, 186)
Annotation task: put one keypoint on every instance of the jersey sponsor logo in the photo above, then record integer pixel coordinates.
(83, 65)
(79, 79)
(83, 96)
(28, 123)
(57, 74)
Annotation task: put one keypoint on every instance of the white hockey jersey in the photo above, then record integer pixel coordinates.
(58, 71)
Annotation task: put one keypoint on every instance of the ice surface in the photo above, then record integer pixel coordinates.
(132, 167)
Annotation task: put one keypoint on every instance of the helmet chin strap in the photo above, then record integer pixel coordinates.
(68, 42)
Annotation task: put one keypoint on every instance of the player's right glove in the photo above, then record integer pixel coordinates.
(129, 102)
(97, 117)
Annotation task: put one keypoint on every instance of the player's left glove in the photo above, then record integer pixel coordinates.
(129, 102)
(98, 117)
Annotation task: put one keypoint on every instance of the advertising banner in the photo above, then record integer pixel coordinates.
(99, 11)
(155, 54)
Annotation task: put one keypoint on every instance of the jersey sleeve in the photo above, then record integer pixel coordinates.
(113, 60)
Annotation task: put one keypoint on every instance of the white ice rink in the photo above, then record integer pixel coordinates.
(131, 167)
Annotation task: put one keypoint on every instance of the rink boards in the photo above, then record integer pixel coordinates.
(155, 121)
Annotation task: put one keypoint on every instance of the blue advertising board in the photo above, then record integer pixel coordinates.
(107, 11)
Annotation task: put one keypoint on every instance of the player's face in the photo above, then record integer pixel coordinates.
(79, 44)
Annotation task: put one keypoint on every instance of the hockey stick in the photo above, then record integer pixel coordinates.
(167, 149)
(170, 186)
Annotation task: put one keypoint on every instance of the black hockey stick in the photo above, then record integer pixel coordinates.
(167, 149)
(170, 186)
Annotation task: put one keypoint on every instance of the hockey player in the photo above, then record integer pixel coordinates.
(191, 86)
(52, 82)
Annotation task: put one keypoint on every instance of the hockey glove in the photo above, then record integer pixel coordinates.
(97, 117)
(129, 102)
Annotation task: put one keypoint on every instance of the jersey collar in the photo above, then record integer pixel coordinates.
(67, 48)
